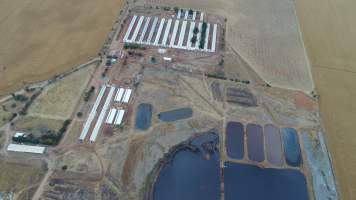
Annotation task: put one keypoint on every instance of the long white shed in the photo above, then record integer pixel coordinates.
(159, 32)
(110, 118)
(133, 20)
(119, 117)
(182, 34)
(153, 27)
(92, 114)
(137, 29)
(101, 117)
(119, 94)
(127, 96)
(174, 34)
(148, 19)
(166, 32)
(26, 148)
(213, 44)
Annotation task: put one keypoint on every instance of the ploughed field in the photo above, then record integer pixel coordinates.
(329, 29)
(40, 39)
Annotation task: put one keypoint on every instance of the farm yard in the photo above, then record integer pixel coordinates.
(190, 33)
(41, 39)
(179, 87)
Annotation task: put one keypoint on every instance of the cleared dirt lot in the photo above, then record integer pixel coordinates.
(266, 35)
(42, 38)
(329, 30)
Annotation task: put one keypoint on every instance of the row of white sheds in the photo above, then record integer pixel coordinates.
(115, 116)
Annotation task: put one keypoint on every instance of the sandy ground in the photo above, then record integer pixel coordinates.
(266, 35)
(40, 39)
(329, 30)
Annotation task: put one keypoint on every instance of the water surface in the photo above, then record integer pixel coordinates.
(143, 116)
(189, 175)
(255, 142)
(235, 140)
(249, 182)
(174, 115)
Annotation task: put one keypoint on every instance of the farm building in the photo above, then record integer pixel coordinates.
(26, 148)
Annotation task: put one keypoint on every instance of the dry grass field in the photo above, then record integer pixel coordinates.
(40, 39)
(4, 117)
(329, 30)
(266, 35)
(15, 177)
(58, 100)
(37, 125)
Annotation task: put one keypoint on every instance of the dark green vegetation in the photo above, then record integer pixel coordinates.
(203, 35)
(49, 138)
(133, 46)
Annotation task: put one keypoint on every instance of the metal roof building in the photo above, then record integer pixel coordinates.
(102, 115)
(26, 148)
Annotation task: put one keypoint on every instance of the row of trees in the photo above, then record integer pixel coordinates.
(133, 46)
(202, 35)
(50, 138)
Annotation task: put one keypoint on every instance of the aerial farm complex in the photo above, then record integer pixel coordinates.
(168, 110)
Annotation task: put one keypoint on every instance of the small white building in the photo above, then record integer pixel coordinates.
(19, 134)
(168, 59)
(26, 148)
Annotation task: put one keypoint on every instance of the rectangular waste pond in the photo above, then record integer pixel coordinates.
(273, 145)
(291, 147)
(143, 116)
(255, 142)
(235, 140)
(249, 182)
(174, 115)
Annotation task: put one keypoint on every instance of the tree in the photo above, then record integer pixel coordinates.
(194, 39)
(196, 30)
(153, 60)
(79, 114)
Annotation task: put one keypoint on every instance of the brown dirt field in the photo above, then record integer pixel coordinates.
(329, 29)
(40, 39)
(266, 35)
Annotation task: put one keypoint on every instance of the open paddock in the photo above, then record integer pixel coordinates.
(270, 41)
(40, 39)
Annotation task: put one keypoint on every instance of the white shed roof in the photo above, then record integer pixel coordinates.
(19, 134)
(26, 148)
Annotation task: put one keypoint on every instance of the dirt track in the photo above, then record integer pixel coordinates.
(40, 39)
